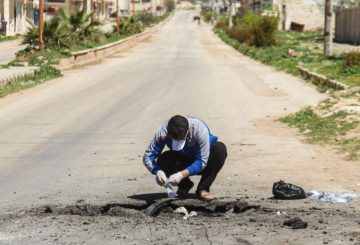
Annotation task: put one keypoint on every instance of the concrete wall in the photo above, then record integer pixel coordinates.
(347, 26)
(305, 12)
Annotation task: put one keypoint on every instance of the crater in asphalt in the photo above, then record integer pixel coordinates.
(165, 206)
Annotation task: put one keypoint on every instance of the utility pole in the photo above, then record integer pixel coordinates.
(92, 9)
(41, 25)
(284, 17)
(117, 18)
(133, 7)
(152, 7)
(328, 28)
(231, 12)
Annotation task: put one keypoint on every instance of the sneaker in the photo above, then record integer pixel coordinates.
(184, 190)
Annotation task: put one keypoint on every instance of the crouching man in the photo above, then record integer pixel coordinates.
(193, 151)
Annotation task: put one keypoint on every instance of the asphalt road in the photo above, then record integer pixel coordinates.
(82, 136)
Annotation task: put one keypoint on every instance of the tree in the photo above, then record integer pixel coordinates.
(328, 28)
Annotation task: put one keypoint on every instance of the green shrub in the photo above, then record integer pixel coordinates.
(170, 5)
(264, 31)
(208, 15)
(242, 33)
(351, 59)
(223, 22)
(146, 18)
(130, 26)
(255, 30)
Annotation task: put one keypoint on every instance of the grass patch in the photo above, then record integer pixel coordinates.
(325, 130)
(295, 49)
(36, 58)
(9, 38)
(275, 55)
(46, 72)
(110, 39)
(351, 147)
(320, 129)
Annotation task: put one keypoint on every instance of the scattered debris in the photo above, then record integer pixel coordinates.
(241, 207)
(295, 223)
(279, 213)
(331, 197)
(155, 208)
(182, 210)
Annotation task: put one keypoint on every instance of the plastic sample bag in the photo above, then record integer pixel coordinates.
(287, 191)
(171, 191)
(331, 197)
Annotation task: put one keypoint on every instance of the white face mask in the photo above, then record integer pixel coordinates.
(178, 145)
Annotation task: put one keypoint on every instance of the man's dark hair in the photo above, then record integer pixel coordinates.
(177, 127)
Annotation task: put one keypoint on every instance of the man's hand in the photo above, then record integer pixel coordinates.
(176, 178)
(161, 178)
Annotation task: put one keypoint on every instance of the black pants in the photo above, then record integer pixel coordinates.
(172, 162)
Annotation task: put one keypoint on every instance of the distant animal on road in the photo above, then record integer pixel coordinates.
(197, 18)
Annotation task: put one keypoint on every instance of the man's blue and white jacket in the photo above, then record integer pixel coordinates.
(197, 146)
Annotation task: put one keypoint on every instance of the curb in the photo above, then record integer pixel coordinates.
(88, 56)
(8, 79)
(322, 80)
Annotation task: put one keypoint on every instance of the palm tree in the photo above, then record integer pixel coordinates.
(81, 27)
(64, 31)
(55, 34)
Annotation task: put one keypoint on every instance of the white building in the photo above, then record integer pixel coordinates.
(13, 13)
(127, 7)
(16, 12)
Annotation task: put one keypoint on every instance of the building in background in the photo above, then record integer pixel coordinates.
(126, 7)
(307, 13)
(102, 8)
(13, 16)
(15, 13)
(304, 12)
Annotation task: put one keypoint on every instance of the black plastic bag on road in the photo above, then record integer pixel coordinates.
(287, 191)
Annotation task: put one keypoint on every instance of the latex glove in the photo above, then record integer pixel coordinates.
(176, 178)
(161, 178)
